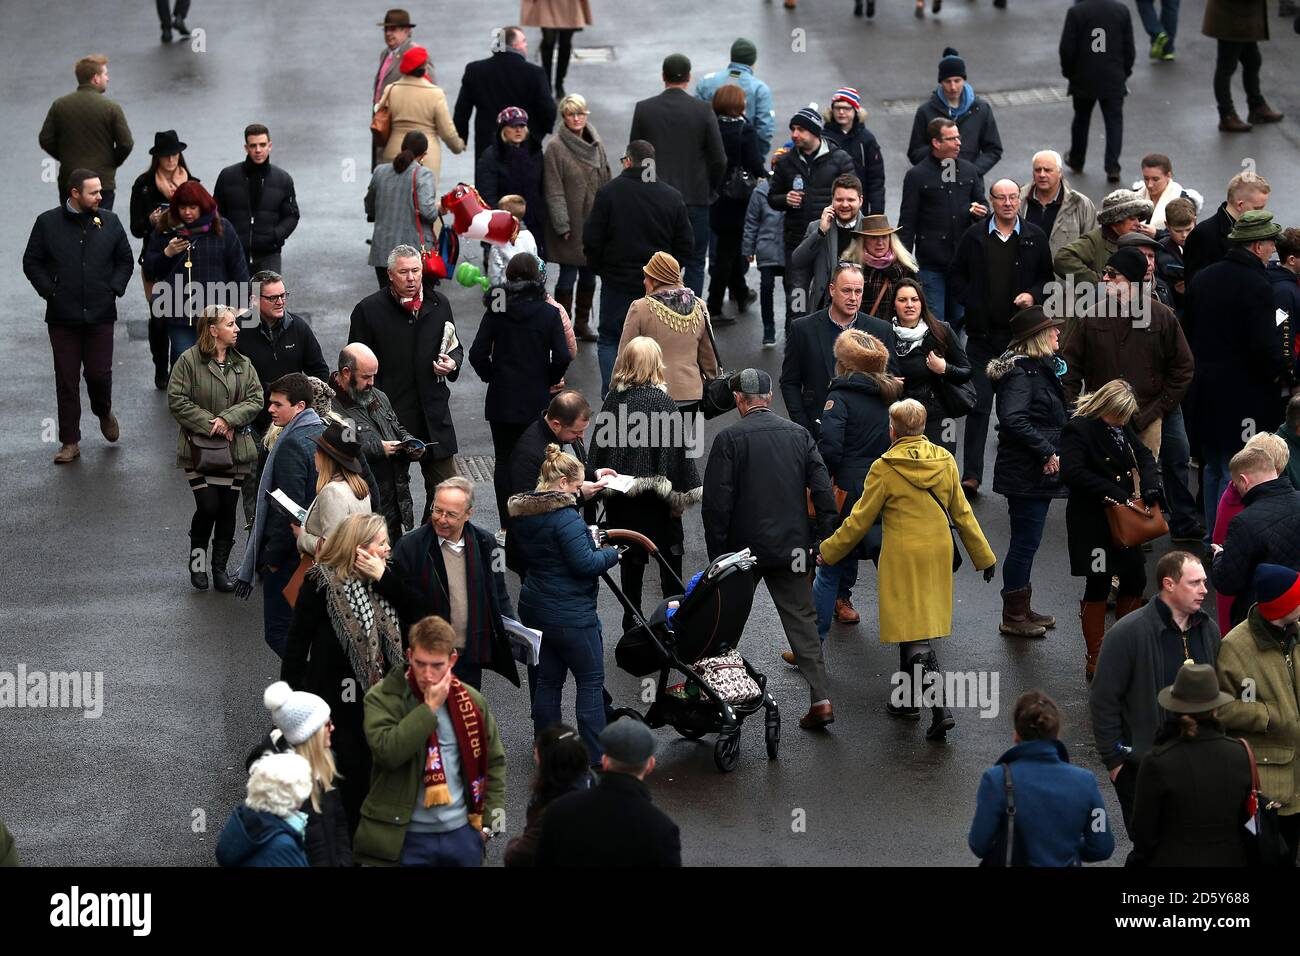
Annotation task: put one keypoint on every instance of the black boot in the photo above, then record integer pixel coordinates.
(198, 563)
(942, 719)
(908, 710)
(180, 26)
(220, 556)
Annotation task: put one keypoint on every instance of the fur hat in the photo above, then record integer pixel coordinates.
(1123, 204)
(859, 351)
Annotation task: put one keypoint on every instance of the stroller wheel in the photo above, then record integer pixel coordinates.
(726, 752)
(626, 712)
(772, 732)
(690, 733)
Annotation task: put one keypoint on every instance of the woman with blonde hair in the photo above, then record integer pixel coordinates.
(559, 594)
(640, 432)
(214, 394)
(678, 321)
(346, 635)
(1030, 398)
(1099, 450)
(914, 489)
(341, 490)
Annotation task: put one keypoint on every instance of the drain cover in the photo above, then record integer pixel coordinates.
(593, 54)
(476, 467)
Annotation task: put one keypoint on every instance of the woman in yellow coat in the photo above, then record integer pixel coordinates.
(913, 487)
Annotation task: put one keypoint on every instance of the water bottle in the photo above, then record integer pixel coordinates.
(797, 185)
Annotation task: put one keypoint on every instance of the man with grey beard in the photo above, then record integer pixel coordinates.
(387, 446)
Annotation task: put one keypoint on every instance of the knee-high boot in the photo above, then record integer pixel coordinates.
(582, 320)
(941, 720)
(1093, 616)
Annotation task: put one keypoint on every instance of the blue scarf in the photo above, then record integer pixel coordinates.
(962, 108)
(248, 566)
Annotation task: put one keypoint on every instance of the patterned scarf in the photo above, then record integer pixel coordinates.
(410, 305)
(470, 728)
(667, 306)
(909, 339)
(365, 624)
(878, 262)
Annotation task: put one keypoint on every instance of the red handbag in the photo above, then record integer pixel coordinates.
(431, 259)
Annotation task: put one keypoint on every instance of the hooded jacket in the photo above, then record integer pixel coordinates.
(1031, 413)
(980, 143)
(764, 235)
(564, 563)
(257, 838)
(868, 163)
(818, 171)
(520, 353)
(916, 545)
(758, 98)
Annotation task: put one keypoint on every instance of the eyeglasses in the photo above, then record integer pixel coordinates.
(449, 515)
(275, 298)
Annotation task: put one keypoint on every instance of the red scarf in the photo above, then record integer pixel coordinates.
(410, 305)
(468, 722)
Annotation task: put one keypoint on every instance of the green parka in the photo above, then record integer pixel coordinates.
(398, 726)
(199, 391)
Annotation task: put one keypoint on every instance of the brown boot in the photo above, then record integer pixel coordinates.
(818, 716)
(582, 321)
(1015, 615)
(565, 300)
(1093, 616)
(1127, 605)
(1042, 620)
(1232, 123)
(1263, 114)
(844, 612)
(68, 452)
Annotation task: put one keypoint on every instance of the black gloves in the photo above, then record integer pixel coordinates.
(988, 573)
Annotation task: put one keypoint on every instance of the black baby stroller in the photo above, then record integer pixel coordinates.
(720, 689)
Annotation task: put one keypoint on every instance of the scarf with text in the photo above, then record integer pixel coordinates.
(467, 720)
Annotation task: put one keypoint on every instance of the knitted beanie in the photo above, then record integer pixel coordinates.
(810, 118)
(849, 95)
(951, 65)
(298, 714)
(744, 51)
(1278, 591)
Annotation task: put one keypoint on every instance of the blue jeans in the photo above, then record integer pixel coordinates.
(1028, 515)
(942, 303)
(694, 264)
(576, 649)
(180, 338)
(614, 303)
(1174, 454)
(826, 587)
(1214, 479)
(583, 277)
(767, 297)
(463, 847)
(277, 615)
(1166, 22)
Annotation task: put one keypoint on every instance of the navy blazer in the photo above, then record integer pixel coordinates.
(809, 363)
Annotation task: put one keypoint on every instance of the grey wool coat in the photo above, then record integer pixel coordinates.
(389, 199)
(573, 168)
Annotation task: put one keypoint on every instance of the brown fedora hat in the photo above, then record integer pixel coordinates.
(876, 224)
(1194, 691)
(396, 18)
(1028, 322)
(338, 445)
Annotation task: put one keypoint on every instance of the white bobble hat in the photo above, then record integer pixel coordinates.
(297, 713)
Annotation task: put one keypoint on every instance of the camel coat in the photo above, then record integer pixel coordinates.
(555, 14)
(415, 103)
(686, 350)
(916, 550)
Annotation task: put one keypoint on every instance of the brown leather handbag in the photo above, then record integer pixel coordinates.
(840, 496)
(1134, 522)
(381, 124)
(211, 455)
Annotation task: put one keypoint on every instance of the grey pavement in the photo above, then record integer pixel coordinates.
(93, 567)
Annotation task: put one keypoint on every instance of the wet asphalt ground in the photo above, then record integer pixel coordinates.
(93, 563)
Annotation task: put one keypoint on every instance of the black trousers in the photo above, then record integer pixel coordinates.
(505, 435)
(179, 11)
(214, 514)
(1112, 113)
(727, 271)
(549, 37)
(982, 349)
(1230, 54)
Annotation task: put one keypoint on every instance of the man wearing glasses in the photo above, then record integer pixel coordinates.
(277, 342)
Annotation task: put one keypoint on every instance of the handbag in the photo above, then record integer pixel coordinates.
(959, 400)
(381, 124)
(290, 590)
(1134, 522)
(717, 398)
(1006, 849)
(1264, 843)
(727, 677)
(737, 184)
(211, 454)
(840, 497)
(431, 260)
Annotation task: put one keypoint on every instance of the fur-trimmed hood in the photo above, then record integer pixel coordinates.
(539, 503)
(1000, 367)
(860, 354)
(860, 118)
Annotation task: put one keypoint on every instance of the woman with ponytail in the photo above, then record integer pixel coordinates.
(402, 202)
(1060, 819)
(559, 594)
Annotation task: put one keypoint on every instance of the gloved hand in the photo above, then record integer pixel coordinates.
(988, 573)
(1151, 496)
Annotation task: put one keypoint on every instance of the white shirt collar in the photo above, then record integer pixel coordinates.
(457, 546)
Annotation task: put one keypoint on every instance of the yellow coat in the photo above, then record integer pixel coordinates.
(916, 553)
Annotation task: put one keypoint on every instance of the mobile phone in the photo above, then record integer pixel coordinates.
(164, 205)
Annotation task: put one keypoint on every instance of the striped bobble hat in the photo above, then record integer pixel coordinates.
(849, 95)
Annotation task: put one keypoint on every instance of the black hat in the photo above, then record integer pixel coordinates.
(166, 143)
(341, 444)
(1028, 322)
(1130, 262)
(951, 64)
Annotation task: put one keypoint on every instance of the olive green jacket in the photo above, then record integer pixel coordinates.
(199, 391)
(8, 853)
(398, 727)
(1257, 666)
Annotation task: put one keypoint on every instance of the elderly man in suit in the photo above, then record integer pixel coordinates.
(689, 155)
(397, 40)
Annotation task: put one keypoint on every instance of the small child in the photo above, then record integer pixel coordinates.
(499, 256)
(764, 239)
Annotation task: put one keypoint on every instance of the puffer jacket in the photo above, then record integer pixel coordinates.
(1031, 414)
(199, 391)
(564, 563)
(818, 172)
(507, 169)
(1286, 296)
(854, 433)
(264, 227)
(861, 145)
(1266, 531)
(520, 354)
(764, 236)
(258, 838)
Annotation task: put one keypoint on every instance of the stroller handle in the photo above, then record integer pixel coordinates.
(617, 534)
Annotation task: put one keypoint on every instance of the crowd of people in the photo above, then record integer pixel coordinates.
(1092, 333)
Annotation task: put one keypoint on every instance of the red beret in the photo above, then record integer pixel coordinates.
(413, 59)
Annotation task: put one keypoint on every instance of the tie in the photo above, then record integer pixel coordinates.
(383, 72)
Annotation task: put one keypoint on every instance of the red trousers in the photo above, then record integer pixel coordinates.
(78, 347)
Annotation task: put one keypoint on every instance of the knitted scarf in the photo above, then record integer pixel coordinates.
(653, 456)
(365, 624)
(585, 147)
(468, 722)
(909, 339)
(248, 566)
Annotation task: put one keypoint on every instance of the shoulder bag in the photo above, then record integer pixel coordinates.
(1264, 843)
(717, 398)
(211, 454)
(381, 124)
(431, 259)
(1006, 849)
(952, 528)
(1134, 522)
(737, 185)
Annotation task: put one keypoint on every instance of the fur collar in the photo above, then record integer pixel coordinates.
(1000, 367)
(539, 503)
